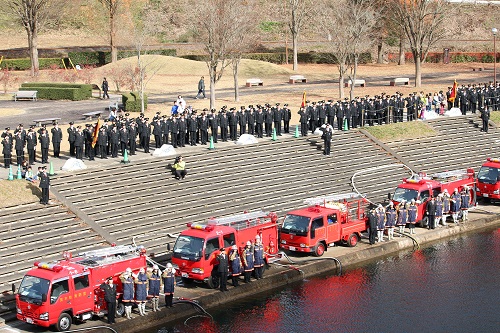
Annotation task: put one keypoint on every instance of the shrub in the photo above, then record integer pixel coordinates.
(25, 63)
(487, 58)
(57, 91)
(132, 101)
(463, 58)
(100, 58)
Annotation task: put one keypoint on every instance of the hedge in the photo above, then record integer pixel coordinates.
(58, 91)
(25, 63)
(101, 58)
(132, 101)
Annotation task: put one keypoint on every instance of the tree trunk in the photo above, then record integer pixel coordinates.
(33, 51)
(418, 70)
(236, 64)
(380, 58)
(112, 33)
(351, 92)
(213, 72)
(295, 42)
(341, 81)
(402, 59)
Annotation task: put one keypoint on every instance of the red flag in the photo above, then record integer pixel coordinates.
(303, 104)
(453, 93)
(96, 132)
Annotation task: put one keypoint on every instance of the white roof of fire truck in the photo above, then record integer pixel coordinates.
(334, 197)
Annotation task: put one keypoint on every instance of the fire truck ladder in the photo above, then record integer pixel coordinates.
(240, 221)
(445, 176)
(109, 251)
(333, 197)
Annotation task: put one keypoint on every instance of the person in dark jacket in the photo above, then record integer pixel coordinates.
(236, 266)
(79, 142)
(44, 144)
(372, 222)
(44, 185)
(430, 211)
(128, 291)
(327, 139)
(168, 278)
(105, 88)
(109, 289)
(71, 138)
(57, 136)
(154, 279)
(7, 151)
(124, 138)
(31, 142)
(223, 269)
(248, 262)
(20, 142)
(141, 295)
(201, 88)
(485, 116)
(223, 124)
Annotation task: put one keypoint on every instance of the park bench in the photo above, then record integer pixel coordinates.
(26, 94)
(357, 82)
(46, 121)
(297, 78)
(403, 80)
(254, 82)
(89, 115)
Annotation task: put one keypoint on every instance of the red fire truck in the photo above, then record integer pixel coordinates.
(328, 220)
(197, 247)
(421, 187)
(52, 294)
(488, 179)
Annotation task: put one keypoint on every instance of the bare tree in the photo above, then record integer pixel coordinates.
(423, 24)
(299, 11)
(216, 27)
(112, 7)
(33, 15)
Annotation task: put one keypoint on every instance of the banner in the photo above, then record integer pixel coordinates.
(96, 132)
(453, 93)
(303, 104)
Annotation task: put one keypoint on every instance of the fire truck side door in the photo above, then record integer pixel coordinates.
(318, 228)
(83, 294)
(59, 293)
(212, 245)
(333, 229)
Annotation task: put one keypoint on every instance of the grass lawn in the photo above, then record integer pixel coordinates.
(495, 117)
(401, 131)
(18, 192)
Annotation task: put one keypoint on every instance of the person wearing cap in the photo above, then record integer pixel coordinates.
(287, 116)
(372, 224)
(465, 203)
(44, 185)
(248, 259)
(390, 218)
(236, 265)
(57, 136)
(127, 280)
(304, 120)
(258, 254)
(158, 132)
(439, 209)
(412, 216)
(145, 135)
(168, 279)
(402, 217)
(455, 205)
(109, 288)
(277, 118)
(7, 151)
(223, 269)
(140, 291)
(20, 142)
(223, 124)
(446, 206)
(268, 121)
(327, 139)
(124, 138)
(44, 144)
(259, 122)
(154, 285)
(381, 218)
(71, 138)
(485, 117)
(430, 211)
(79, 142)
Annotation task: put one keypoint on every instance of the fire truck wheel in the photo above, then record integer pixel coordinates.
(120, 309)
(319, 250)
(213, 280)
(353, 240)
(63, 323)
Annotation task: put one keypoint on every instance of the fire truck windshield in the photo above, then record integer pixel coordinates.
(32, 288)
(295, 224)
(188, 248)
(405, 194)
(488, 175)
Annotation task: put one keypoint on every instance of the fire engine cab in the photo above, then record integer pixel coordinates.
(327, 220)
(52, 294)
(488, 179)
(421, 187)
(196, 249)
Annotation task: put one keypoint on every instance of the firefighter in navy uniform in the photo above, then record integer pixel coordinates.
(236, 266)
(223, 124)
(485, 116)
(102, 142)
(31, 142)
(168, 278)
(193, 129)
(287, 116)
(327, 139)
(258, 254)
(7, 151)
(372, 221)
(79, 142)
(20, 142)
(304, 120)
(44, 185)
(248, 261)
(141, 295)
(277, 117)
(57, 136)
(223, 269)
(154, 285)
(44, 144)
(128, 291)
(71, 138)
(109, 289)
(259, 122)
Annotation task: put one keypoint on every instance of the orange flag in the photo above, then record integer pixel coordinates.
(453, 93)
(96, 132)
(303, 104)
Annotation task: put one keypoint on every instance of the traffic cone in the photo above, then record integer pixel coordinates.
(274, 138)
(125, 157)
(51, 170)
(211, 144)
(345, 125)
(11, 176)
(296, 131)
(19, 176)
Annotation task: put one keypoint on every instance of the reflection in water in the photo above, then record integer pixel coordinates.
(452, 286)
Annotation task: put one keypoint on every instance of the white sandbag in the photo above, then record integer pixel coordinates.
(165, 150)
(73, 164)
(430, 115)
(453, 112)
(318, 130)
(246, 139)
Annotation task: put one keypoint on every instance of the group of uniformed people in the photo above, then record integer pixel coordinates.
(241, 261)
(437, 210)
